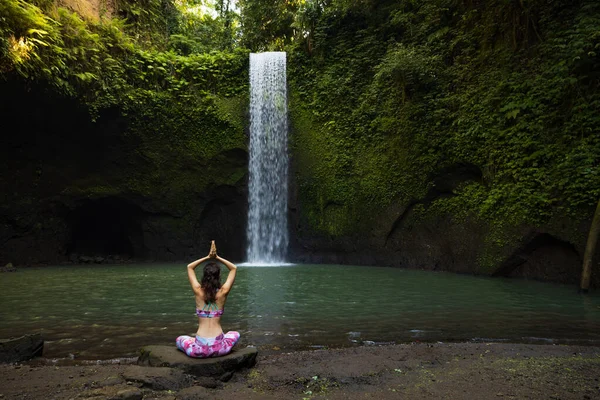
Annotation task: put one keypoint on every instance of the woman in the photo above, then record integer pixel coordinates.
(210, 303)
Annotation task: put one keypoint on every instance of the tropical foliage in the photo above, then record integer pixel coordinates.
(385, 95)
(389, 94)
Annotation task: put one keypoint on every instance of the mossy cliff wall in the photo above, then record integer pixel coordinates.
(151, 182)
(114, 149)
(447, 135)
(437, 134)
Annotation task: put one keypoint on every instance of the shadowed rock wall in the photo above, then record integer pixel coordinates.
(415, 234)
(81, 191)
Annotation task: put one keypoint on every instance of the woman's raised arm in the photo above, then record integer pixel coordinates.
(231, 277)
(192, 274)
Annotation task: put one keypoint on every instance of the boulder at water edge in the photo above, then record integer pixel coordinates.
(21, 348)
(8, 268)
(169, 356)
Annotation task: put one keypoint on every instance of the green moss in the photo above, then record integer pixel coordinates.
(88, 189)
(233, 110)
(340, 183)
(376, 118)
(381, 103)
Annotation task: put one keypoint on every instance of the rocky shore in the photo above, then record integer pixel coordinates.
(413, 371)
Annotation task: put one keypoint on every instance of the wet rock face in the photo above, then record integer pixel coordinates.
(115, 229)
(109, 226)
(217, 367)
(542, 256)
(432, 245)
(457, 246)
(97, 192)
(397, 236)
(21, 349)
(409, 235)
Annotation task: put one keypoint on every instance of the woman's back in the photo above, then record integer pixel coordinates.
(210, 297)
(209, 315)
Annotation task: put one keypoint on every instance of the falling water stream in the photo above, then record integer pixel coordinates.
(267, 231)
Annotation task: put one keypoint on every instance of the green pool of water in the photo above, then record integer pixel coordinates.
(100, 312)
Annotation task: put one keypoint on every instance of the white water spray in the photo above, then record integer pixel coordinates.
(267, 231)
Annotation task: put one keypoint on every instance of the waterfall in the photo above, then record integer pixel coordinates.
(267, 230)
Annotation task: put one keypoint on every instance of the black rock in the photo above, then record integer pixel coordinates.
(226, 376)
(21, 349)
(209, 382)
(169, 356)
(8, 268)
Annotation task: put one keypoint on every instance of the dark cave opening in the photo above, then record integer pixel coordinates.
(544, 257)
(106, 227)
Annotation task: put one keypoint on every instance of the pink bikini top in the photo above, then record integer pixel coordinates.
(210, 310)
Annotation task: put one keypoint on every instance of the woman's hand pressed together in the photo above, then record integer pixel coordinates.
(213, 250)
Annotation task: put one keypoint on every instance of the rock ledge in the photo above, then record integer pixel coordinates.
(169, 356)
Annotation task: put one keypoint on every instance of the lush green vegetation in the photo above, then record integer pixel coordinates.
(388, 94)
(385, 95)
(179, 105)
(108, 63)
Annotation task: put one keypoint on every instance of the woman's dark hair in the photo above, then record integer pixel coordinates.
(211, 282)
